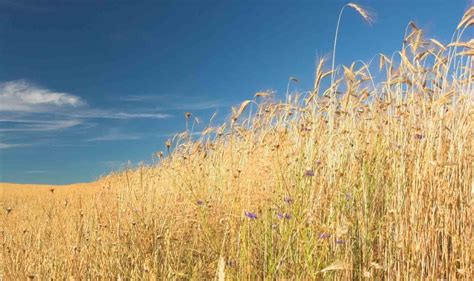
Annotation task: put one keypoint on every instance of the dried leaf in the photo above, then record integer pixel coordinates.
(338, 265)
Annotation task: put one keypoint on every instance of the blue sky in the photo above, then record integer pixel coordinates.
(86, 86)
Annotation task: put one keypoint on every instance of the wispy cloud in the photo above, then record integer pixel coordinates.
(22, 96)
(192, 134)
(9, 145)
(26, 107)
(114, 135)
(177, 102)
(110, 114)
(33, 115)
(200, 105)
(146, 98)
(38, 125)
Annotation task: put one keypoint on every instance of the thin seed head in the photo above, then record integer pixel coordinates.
(294, 79)
(368, 16)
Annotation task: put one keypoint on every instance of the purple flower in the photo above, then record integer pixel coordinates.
(309, 173)
(285, 216)
(250, 215)
(200, 202)
(288, 200)
(340, 242)
(318, 162)
(324, 236)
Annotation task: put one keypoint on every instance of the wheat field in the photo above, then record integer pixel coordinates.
(363, 178)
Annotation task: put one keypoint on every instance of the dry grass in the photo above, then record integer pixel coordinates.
(376, 184)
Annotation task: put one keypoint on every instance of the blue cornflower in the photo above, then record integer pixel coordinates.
(250, 215)
(285, 216)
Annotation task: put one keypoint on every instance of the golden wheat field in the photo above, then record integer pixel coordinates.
(363, 179)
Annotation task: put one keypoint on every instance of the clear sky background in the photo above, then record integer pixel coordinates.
(86, 86)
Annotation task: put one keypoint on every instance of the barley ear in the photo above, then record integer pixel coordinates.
(368, 17)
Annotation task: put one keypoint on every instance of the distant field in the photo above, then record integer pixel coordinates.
(18, 191)
(364, 180)
(16, 187)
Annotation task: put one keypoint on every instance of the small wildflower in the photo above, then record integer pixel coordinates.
(340, 242)
(324, 236)
(285, 216)
(250, 215)
(419, 136)
(288, 200)
(318, 162)
(309, 172)
(200, 202)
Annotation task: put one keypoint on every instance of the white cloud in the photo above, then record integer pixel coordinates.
(200, 105)
(22, 96)
(114, 135)
(125, 115)
(109, 114)
(29, 112)
(8, 145)
(183, 104)
(25, 107)
(39, 125)
(136, 98)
